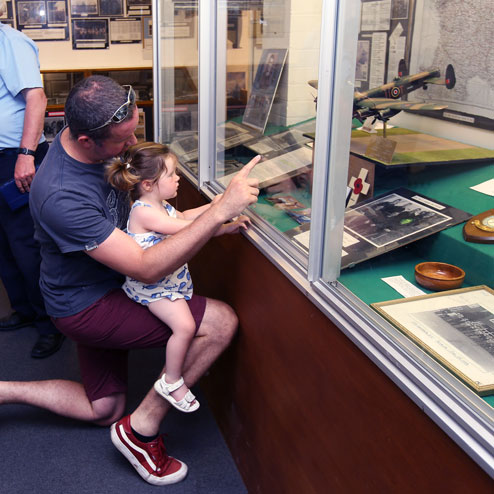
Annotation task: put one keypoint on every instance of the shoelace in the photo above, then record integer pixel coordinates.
(159, 455)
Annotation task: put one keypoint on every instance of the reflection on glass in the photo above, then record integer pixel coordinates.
(178, 80)
(270, 107)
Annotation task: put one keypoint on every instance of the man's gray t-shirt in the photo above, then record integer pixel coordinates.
(74, 210)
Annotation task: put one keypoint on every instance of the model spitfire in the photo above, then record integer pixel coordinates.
(385, 101)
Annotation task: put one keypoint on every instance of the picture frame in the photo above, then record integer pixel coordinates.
(264, 88)
(455, 327)
(90, 34)
(83, 8)
(31, 13)
(391, 220)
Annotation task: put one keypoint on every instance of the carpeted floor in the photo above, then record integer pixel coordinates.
(44, 453)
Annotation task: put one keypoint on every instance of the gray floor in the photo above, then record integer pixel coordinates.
(42, 452)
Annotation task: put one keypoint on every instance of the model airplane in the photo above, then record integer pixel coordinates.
(385, 101)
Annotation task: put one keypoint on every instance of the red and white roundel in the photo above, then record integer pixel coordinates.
(395, 92)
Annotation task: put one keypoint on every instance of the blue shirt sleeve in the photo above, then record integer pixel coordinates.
(73, 223)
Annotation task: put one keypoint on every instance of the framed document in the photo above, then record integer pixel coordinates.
(455, 327)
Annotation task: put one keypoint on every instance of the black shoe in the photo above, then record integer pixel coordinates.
(14, 321)
(47, 345)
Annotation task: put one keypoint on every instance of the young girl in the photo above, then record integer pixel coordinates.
(148, 172)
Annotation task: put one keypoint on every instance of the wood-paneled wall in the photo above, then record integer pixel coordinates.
(302, 409)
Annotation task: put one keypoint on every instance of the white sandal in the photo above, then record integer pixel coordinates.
(185, 404)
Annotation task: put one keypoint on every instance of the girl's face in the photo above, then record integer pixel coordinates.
(167, 184)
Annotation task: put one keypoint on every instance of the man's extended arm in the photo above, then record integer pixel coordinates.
(34, 117)
(122, 253)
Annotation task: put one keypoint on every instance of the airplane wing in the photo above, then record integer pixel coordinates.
(392, 104)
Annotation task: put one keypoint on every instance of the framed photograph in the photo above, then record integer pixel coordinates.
(111, 7)
(84, 8)
(455, 327)
(29, 13)
(392, 220)
(57, 12)
(264, 88)
(147, 33)
(89, 34)
(7, 17)
(54, 123)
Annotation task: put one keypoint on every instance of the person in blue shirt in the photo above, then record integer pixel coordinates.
(22, 148)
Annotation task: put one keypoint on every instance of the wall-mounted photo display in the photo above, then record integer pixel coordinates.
(43, 20)
(89, 34)
(139, 7)
(125, 30)
(8, 16)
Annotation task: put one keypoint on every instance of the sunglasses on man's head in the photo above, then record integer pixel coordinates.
(120, 113)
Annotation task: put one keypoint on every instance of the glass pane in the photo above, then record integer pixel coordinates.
(266, 102)
(420, 170)
(178, 79)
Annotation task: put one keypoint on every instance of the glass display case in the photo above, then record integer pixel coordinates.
(375, 128)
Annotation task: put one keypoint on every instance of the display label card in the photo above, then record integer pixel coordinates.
(485, 187)
(403, 286)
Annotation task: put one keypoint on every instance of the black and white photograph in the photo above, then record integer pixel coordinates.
(391, 219)
(7, 16)
(111, 7)
(399, 9)
(264, 88)
(362, 68)
(456, 327)
(53, 125)
(84, 8)
(89, 34)
(57, 12)
(29, 13)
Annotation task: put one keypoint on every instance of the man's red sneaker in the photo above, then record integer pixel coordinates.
(149, 459)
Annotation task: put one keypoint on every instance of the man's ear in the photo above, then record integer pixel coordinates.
(85, 141)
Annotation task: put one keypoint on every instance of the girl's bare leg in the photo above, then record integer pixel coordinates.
(176, 314)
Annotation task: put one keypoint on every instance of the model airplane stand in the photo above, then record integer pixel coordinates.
(381, 148)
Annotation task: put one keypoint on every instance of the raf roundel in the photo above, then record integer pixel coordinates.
(395, 92)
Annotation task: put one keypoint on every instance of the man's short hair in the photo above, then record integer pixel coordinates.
(91, 103)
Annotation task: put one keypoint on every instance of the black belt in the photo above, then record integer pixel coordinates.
(8, 151)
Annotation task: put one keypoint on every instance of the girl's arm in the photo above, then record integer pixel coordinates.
(192, 214)
(145, 219)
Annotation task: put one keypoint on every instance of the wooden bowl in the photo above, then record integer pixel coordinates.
(439, 275)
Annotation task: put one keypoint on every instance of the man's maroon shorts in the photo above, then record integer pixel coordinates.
(106, 330)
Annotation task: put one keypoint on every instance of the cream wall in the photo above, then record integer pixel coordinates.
(297, 27)
(59, 55)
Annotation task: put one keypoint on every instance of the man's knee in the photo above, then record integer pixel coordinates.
(220, 321)
(109, 409)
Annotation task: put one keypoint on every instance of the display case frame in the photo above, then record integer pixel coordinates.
(459, 412)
